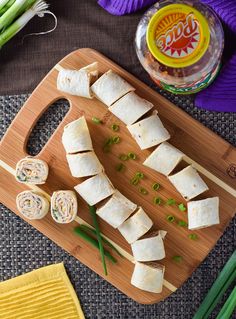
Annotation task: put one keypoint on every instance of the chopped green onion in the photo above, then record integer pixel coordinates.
(96, 120)
(105, 241)
(92, 210)
(22, 178)
(107, 145)
(115, 127)
(139, 175)
(182, 223)
(177, 259)
(55, 213)
(226, 277)
(170, 218)
(109, 141)
(116, 140)
(123, 157)
(182, 208)
(193, 236)
(106, 148)
(157, 200)
(132, 155)
(134, 181)
(120, 167)
(143, 191)
(156, 186)
(93, 242)
(170, 202)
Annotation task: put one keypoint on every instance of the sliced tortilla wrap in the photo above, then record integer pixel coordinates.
(149, 249)
(149, 132)
(110, 87)
(148, 276)
(188, 183)
(32, 205)
(130, 108)
(84, 164)
(77, 82)
(64, 206)
(135, 226)
(117, 209)
(92, 69)
(95, 189)
(203, 213)
(164, 158)
(76, 137)
(32, 171)
(162, 233)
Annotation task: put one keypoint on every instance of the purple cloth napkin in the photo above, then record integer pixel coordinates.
(221, 94)
(122, 7)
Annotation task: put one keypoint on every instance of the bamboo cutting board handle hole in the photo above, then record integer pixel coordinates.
(30, 115)
(46, 126)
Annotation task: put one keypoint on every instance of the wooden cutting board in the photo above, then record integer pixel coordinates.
(214, 158)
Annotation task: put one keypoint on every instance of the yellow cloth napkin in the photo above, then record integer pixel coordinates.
(45, 293)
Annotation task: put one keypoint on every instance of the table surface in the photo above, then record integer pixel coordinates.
(22, 248)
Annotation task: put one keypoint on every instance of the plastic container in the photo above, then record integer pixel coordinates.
(180, 45)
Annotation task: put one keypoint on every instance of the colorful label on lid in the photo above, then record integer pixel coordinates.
(178, 35)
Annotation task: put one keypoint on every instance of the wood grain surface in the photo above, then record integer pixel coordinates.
(214, 157)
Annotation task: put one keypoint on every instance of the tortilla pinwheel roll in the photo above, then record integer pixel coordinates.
(130, 108)
(203, 213)
(162, 233)
(84, 164)
(110, 87)
(64, 206)
(32, 204)
(95, 189)
(164, 158)
(78, 82)
(32, 171)
(149, 248)
(76, 137)
(148, 276)
(116, 210)
(149, 132)
(188, 183)
(135, 226)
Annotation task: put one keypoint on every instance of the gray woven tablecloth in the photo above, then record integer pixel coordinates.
(22, 248)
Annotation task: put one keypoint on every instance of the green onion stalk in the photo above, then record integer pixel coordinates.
(38, 8)
(92, 210)
(3, 3)
(6, 6)
(226, 277)
(10, 15)
(229, 306)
